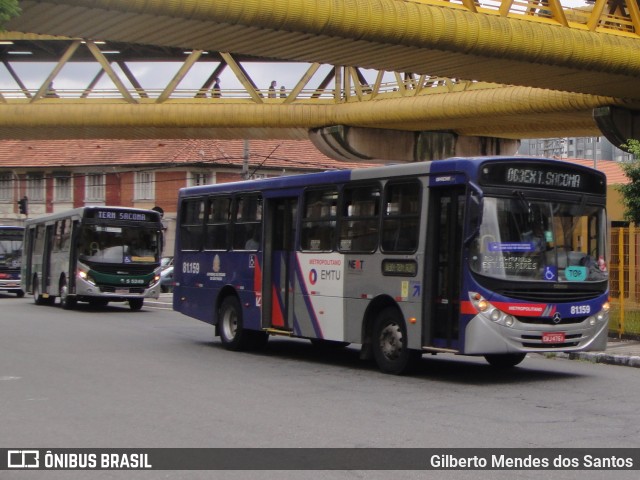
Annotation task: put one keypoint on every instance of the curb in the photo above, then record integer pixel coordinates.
(607, 358)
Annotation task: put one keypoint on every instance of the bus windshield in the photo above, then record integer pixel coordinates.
(521, 239)
(10, 249)
(115, 244)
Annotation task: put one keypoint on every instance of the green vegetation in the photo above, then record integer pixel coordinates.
(631, 191)
(8, 10)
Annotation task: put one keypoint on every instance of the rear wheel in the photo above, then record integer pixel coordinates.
(389, 343)
(506, 360)
(232, 334)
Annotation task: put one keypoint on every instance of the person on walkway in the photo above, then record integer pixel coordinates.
(272, 89)
(215, 91)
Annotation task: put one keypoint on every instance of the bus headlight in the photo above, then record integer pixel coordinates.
(489, 311)
(83, 273)
(478, 302)
(86, 277)
(606, 306)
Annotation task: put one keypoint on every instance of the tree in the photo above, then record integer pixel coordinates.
(631, 191)
(8, 10)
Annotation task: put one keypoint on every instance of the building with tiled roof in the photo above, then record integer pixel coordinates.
(57, 175)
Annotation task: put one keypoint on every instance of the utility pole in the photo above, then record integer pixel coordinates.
(245, 160)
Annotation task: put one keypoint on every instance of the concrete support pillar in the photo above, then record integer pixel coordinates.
(355, 143)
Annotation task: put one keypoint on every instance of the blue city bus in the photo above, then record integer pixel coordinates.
(11, 259)
(94, 254)
(491, 256)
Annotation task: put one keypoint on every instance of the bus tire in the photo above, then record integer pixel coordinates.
(504, 360)
(38, 299)
(19, 293)
(67, 302)
(389, 343)
(232, 334)
(135, 304)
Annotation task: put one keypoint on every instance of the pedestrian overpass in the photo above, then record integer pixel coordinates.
(414, 78)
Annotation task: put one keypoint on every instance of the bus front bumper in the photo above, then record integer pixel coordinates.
(85, 288)
(483, 336)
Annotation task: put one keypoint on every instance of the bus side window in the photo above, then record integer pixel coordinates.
(55, 246)
(191, 224)
(247, 227)
(319, 221)
(217, 224)
(359, 218)
(66, 236)
(401, 217)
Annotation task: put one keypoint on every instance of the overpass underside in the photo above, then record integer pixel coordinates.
(535, 69)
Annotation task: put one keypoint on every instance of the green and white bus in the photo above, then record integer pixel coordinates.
(93, 254)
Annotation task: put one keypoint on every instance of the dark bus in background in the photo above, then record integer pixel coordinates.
(11, 259)
(93, 254)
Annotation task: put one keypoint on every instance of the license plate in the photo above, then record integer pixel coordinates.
(122, 291)
(555, 337)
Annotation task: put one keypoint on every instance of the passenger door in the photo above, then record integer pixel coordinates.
(446, 216)
(279, 263)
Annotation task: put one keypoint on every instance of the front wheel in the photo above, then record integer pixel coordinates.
(37, 297)
(135, 304)
(389, 343)
(506, 360)
(19, 293)
(67, 302)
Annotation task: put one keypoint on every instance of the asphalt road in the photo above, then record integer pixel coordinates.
(115, 378)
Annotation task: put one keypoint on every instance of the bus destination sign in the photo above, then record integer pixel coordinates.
(119, 215)
(542, 175)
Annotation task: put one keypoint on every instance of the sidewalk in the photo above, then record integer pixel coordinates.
(619, 352)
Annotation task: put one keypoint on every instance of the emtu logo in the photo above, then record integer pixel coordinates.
(23, 459)
(313, 276)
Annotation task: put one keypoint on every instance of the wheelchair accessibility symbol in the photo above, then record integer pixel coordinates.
(550, 273)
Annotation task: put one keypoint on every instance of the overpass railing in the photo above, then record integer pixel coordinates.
(616, 17)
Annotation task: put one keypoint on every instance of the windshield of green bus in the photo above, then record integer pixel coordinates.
(10, 249)
(116, 244)
(536, 240)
